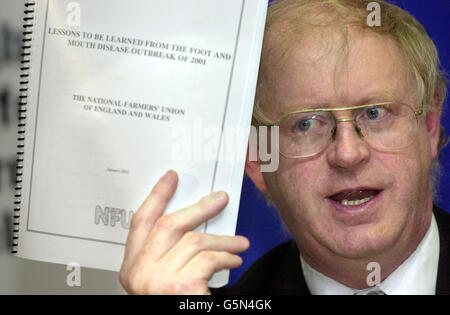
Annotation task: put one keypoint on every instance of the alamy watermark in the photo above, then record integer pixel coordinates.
(73, 279)
(199, 142)
(374, 277)
(374, 18)
(73, 17)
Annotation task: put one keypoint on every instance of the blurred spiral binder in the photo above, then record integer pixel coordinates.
(24, 68)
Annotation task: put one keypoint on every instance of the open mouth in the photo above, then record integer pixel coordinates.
(354, 197)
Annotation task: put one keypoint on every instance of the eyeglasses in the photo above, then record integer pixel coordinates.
(388, 126)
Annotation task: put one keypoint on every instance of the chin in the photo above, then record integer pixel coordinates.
(363, 242)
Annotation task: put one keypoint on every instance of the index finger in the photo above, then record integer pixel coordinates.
(171, 228)
(151, 209)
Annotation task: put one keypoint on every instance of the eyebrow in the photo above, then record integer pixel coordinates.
(387, 96)
(349, 107)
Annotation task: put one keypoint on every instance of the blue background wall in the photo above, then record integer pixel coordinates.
(261, 224)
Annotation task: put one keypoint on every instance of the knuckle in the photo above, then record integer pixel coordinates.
(208, 204)
(226, 257)
(145, 283)
(166, 222)
(160, 193)
(208, 257)
(204, 202)
(132, 282)
(151, 286)
(175, 287)
(147, 289)
(137, 220)
(164, 286)
(186, 286)
(199, 286)
(193, 239)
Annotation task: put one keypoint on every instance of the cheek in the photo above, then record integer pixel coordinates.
(401, 171)
(416, 164)
(295, 189)
(406, 174)
(297, 178)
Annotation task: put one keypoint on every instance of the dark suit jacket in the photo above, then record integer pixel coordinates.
(280, 272)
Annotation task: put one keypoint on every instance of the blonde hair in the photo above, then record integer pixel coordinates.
(287, 19)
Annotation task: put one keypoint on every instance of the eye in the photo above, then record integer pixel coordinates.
(374, 113)
(305, 125)
(308, 124)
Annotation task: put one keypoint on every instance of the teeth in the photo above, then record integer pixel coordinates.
(346, 202)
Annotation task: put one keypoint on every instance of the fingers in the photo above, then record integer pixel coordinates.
(149, 212)
(164, 255)
(168, 230)
(206, 263)
(193, 243)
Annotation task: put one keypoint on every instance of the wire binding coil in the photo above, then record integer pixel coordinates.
(23, 96)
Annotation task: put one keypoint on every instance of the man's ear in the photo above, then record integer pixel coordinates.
(253, 170)
(433, 121)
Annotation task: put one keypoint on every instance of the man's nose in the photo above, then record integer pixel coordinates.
(348, 148)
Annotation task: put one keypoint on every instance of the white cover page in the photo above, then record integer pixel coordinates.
(119, 93)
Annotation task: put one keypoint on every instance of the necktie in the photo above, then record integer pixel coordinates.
(371, 291)
(376, 292)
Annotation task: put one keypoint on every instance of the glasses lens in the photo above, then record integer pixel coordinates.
(387, 127)
(305, 134)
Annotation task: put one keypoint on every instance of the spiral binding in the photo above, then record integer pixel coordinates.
(24, 75)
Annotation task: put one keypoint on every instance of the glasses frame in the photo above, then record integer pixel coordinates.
(417, 113)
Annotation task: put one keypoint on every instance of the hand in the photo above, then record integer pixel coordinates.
(164, 256)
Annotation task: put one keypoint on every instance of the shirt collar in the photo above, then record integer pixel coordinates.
(416, 275)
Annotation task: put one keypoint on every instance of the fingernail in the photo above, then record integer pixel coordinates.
(243, 240)
(219, 196)
(167, 177)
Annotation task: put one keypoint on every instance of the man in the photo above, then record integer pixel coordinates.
(358, 109)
